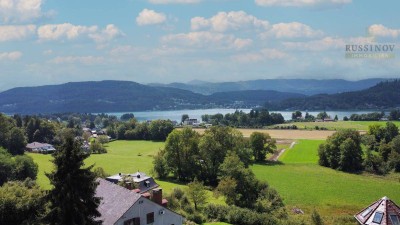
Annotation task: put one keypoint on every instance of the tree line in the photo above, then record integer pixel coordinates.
(256, 118)
(343, 150)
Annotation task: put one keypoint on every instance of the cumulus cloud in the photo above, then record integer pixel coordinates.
(206, 39)
(86, 60)
(224, 21)
(67, 31)
(379, 30)
(107, 34)
(301, 3)
(11, 33)
(10, 55)
(150, 17)
(292, 30)
(12, 11)
(174, 1)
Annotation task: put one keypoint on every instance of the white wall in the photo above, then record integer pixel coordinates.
(144, 206)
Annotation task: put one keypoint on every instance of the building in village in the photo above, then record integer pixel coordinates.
(138, 181)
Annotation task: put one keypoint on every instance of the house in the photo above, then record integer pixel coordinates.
(143, 183)
(38, 147)
(190, 122)
(120, 206)
(382, 212)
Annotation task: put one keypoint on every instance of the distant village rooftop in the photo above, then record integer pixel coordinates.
(144, 183)
(40, 147)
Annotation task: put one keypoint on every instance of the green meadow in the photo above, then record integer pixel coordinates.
(358, 125)
(306, 185)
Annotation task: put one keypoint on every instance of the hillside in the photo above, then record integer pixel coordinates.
(302, 86)
(381, 96)
(121, 96)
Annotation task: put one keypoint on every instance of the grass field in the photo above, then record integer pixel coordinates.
(304, 184)
(358, 125)
(286, 134)
(122, 157)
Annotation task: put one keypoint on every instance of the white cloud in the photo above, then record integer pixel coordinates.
(224, 21)
(174, 1)
(292, 30)
(20, 10)
(107, 34)
(379, 30)
(301, 3)
(48, 52)
(67, 31)
(150, 17)
(206, 39)
(86, 60)
(10, 55)
(11, 33)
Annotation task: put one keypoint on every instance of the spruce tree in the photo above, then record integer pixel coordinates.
(72, 200)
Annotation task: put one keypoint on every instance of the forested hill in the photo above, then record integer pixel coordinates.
(382, 96)
(302, 86)
(122, 96)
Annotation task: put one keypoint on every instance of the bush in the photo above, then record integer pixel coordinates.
(216, 212)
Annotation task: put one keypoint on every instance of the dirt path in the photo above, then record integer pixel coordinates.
(278, 154)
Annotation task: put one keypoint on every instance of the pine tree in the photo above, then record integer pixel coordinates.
(72, 200)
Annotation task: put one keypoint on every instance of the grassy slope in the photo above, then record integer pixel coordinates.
(122, 156)
(306, 185)
(358, 125)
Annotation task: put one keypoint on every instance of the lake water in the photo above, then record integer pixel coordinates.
(197, 113)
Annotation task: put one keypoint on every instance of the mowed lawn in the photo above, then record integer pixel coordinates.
(304, 184)
(122, 157)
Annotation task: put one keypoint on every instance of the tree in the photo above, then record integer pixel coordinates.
(345, 118)
(97, 147)
(350, 156)
(322, 115)
(24, 168)
(197, 193)
(127, 116)
(160, 165)
(342, 151)
(296, 115)
(6, 166)
(336, 118)
(160, 129)
(17, 141)
(72, 200)
(261, 144)
(391, 131)
(100, 173)
(21, 202)
(184, 117)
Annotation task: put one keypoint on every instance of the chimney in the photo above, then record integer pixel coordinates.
(157, 196)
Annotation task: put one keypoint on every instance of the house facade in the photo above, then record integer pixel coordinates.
(120, 206)
(38, 147)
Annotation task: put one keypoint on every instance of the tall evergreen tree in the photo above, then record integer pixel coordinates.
(72, 200)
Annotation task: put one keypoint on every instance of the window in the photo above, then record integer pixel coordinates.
(133, 221)
(366, 212)
(150, 217)
(147, 183)
(378, 217)
(395, 219)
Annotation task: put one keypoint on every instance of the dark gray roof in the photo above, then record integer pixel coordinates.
(116, 200)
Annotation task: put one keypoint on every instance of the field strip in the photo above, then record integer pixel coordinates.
(279, 153)
(285, 134)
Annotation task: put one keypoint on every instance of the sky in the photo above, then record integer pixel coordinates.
(161, 41)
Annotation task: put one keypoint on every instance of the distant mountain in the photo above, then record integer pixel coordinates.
(301, 86)
(384, 95)
(123, 96)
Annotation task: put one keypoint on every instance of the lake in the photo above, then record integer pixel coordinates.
(197, 113)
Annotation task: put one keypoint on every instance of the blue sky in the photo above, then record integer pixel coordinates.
(51, 42)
